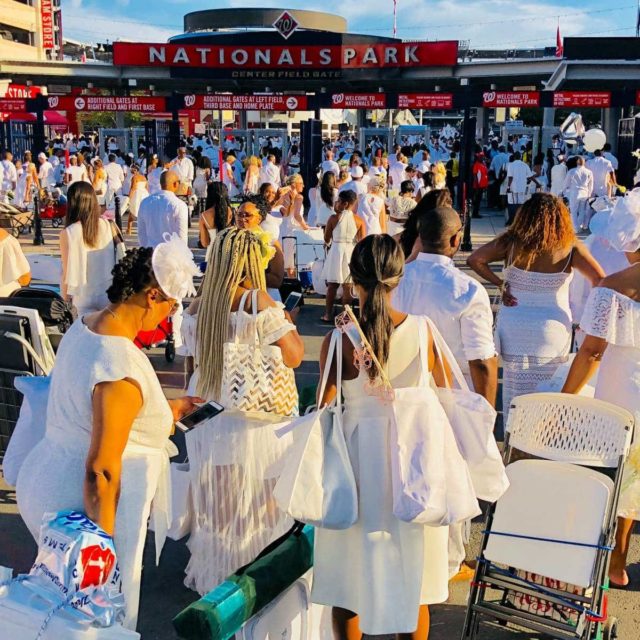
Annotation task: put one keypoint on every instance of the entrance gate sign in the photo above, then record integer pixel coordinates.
(246, 102)
(108, 103)
(425, 101)
(356, 56)
(511, 99)
(582, 99)
(358, 101)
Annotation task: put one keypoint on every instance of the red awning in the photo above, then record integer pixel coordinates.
(50, 117)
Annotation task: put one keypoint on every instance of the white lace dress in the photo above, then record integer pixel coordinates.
(343, 239)
(615, 318)
(235, 461)
(52, 476)
(533, 338)
(370, 208)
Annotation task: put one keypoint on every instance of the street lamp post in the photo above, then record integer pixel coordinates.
(38, 238)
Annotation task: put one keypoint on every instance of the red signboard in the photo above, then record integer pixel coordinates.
(48, 28)
(22, 91)
(637, 97)
(511, 99)
(582, 99)
(108, 103)
(357, 56)
(425, 101)
(12, 105)
(246, 102)
(359, 101)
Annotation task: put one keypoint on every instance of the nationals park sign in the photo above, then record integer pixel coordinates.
(277, 57)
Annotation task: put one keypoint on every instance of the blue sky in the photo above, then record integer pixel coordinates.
(490, 23)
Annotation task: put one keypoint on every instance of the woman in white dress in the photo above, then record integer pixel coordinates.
(15, 271)
(534, 325)
(202, 178)
(232, 458)
(400, 207)
(610, 321)
(314, 198)
(106, 449)
(372, 208)
(378, 573)
(344, 229)
(154, 171)
(292, 211)
(217, 215)
(21, 185)
(99, 181)
(138, 192)
(87, 250)
(328, 195)
(252, 177)
(228, 176)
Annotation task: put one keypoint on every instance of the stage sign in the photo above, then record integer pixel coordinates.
(425, 101)
(358, 101)
(276, 57)
(108, 103)
(12, 105)
(22, 91)
(48, 28)
(582, 99)
(511, 99)
(246, 102)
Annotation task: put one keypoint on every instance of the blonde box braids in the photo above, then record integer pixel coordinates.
(236, 257)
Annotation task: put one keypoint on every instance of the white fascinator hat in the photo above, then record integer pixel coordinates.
(174, 268)
(623, 230)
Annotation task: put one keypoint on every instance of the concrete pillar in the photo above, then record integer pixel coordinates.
(243, 119)
(362, 118)
(548, 128)
(119, 119)
(482, 123)
(610, 119)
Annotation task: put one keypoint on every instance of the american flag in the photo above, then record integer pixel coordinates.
(559, 46)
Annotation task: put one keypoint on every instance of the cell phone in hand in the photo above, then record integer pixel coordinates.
(293, 301)
(204, 412)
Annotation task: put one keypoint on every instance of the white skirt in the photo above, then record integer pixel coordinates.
(336, 264)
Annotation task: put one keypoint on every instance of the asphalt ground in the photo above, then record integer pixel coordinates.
(163, 593)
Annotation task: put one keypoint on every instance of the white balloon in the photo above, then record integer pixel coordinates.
(594, 139)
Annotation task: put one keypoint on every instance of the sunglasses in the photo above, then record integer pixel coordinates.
(175, 305)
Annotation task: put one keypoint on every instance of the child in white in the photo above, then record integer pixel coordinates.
(343, 230)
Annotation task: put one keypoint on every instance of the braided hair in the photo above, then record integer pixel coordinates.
(133, 274)
(237, 255)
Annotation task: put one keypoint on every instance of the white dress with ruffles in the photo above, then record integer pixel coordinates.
(52, 476)
(615, 318)
(235, 461)
(13, 264)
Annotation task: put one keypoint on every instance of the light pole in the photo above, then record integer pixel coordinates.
(38, 238)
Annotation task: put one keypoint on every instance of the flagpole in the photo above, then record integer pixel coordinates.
(395, 16)
(638, 21)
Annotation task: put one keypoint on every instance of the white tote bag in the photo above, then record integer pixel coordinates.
(472, 419)
(431, 481)
(317, 485)
(181, 501)
(255, 376)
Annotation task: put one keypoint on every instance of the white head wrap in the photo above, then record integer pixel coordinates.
(623, 231)
(174, 268)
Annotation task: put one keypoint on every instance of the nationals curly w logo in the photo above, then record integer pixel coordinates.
(489, 96)
(189, 101)
(337, 98)
(53, 101)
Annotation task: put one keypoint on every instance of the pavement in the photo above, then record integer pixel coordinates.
(163, 593)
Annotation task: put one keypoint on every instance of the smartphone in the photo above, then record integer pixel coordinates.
(204, 412)
(293, 300)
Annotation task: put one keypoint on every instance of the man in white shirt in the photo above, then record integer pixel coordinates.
(270, 173)
(397, 173)
(578, 187)
(519, 175)
(459, 307)
(603, 174)
(9, 175)
(330, 165)
(498, 167)
(46, 174)
(163, 212)
(606, 153)
(355, 184)
(115, 180)
(558, 176)
(75, 173)
(183, 166)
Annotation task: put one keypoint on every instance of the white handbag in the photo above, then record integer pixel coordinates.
(431, 481)
(317, 485)
(255, 376)
(472, 419)
(181, 501)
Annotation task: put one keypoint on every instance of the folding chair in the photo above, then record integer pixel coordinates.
(547, 541)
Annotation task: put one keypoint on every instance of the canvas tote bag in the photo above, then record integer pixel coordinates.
(317, 485)
(255, 376)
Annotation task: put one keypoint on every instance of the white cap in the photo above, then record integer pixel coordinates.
(356, 172)
(42, 155)
(623, 231)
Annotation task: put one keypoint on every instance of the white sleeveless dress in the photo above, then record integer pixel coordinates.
(89, 268)
(323, 210)
(615, 318)
(533, 338)
(343, 239)
(381, 567)
(52, 476)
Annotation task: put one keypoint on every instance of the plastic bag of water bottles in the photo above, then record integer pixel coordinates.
(76, 568)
